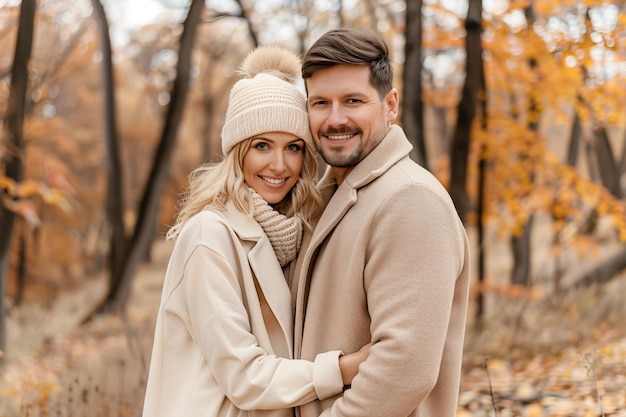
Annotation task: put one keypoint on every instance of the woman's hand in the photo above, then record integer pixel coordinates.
(349, 364)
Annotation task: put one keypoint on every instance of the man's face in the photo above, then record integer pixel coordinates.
(348, 118)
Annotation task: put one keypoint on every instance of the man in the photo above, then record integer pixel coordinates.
(388, 261)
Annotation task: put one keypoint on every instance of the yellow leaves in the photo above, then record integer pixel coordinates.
(23, 208)
(524, 177)
(550, 62)
(559, 211)
(574, 381)
(6, 183)
(533, 410)
(603, 104)
(18, 197)
(40, 394)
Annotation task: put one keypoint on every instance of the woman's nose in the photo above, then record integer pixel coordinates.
(278, 162)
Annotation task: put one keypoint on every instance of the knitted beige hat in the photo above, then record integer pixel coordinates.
(267, 100)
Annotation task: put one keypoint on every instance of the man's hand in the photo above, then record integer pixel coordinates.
(349, 364)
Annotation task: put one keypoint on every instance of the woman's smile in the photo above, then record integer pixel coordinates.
(272, 165)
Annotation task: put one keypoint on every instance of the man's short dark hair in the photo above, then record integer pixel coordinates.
(352, 46)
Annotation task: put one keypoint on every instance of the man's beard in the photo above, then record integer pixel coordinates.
(342, 160)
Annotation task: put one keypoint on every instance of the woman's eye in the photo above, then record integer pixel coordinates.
(261, 146)
(294, 147)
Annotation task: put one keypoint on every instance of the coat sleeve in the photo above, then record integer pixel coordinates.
(415, 252)
(219, 324)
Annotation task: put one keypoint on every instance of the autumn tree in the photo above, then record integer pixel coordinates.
(469, 107)
(520, 242)
(12, 161)
(526, 176)
(473, 86)
(413, 114)
(532, 76)
(115, 194)
(150, 202)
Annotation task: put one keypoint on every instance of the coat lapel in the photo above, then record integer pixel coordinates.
(392, 148)
(273, 284)
(339, 204)
(269, 275)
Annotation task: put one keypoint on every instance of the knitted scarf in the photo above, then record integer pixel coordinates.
(285, 233)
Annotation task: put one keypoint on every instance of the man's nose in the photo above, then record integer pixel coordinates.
(337, 116)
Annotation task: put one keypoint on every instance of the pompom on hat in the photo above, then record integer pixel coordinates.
(267, 100)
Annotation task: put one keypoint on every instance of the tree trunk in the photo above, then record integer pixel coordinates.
(20, 277)
(480, 228)
(592, 161)
(474, 82)
(574, 142)
(607, 167)
(611, 267)
(114, 202)
(15, 133)
(520, 245)
(604, 271)
(480, 207)
(622, 164)
(251, 31)
(117, 296)
(413, 107)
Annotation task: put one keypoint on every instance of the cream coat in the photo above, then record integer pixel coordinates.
(388, 262)
(224, 329)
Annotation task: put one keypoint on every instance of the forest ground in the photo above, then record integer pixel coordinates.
(564, 357)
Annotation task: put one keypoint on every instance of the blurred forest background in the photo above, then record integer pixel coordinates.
(518, 107)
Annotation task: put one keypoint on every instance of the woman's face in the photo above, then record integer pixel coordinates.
(273, 163)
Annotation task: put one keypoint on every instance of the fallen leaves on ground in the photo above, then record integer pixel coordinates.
(575, 382)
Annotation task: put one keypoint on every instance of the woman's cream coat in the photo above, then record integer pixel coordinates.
(224, 328)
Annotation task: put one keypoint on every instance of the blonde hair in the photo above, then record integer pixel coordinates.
(213, 185)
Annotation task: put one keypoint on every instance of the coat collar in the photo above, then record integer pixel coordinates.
(264, 264)
(390, 150)
(394, 147)
(244, 225)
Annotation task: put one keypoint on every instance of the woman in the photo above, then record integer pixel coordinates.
(223, 335)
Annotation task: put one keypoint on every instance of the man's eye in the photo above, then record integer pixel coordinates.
(353, 101)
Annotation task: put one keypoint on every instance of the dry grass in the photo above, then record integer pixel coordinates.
(56, 368)
(99, 372)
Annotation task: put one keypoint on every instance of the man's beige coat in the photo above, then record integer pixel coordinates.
(388, 262)
(224, 329)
